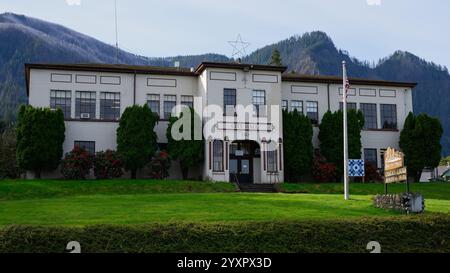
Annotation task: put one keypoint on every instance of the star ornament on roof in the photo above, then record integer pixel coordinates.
(239, 47)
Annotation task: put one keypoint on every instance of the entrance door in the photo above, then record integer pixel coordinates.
(241, 170)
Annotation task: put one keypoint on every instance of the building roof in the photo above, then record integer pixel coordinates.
(205, 65)
(180, 71)
(338, 80)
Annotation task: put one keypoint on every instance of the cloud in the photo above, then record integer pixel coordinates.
(373, 2)
(73, 2)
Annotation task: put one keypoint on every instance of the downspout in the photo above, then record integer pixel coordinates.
(134, 88)
(328, 96)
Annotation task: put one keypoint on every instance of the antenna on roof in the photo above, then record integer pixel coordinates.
(117, 33)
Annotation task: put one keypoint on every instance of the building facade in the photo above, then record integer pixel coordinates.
(94, 96)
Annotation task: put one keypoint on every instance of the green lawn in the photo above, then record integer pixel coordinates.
(132, 202)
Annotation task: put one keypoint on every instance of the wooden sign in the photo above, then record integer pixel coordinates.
(394, 166)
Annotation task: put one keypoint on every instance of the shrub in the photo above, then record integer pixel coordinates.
(323, 171)
(298, 148)
(396, 234)
(107, 165)
(77, 164)
(8, 162)
(40, 138)
(136, 137)
(371, 173)
(159, 165)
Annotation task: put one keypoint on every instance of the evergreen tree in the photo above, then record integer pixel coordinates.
(136, 139)
(40, 136)
(298, 148)
(276, 58)
(331, 137)
(188, 152)
(420, 142)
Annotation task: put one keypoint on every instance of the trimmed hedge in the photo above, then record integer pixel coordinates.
(401, 234)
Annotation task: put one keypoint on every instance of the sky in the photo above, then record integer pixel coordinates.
(367, 29)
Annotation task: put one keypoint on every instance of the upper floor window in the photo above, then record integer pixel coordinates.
(187, 101)
(312, 111)
(153, 103)
(229, 100)
(370, 115)
(63, 100)
(110, 105)
(370, 156)
(259, 100)
(170, 101)
(284, 105)
(86, 145)
(350, 106)
(297, 105)
(85, 104)
(217, 156)
(388, 116)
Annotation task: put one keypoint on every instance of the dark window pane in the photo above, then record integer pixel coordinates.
(86, 145)
(388, 116)
(297, 105)
(217, 155)
(258, 100)
(110, 105)
(229, 100)
(370, 156)
(170, 102)
(85, 104)
(187, 101)
(370, 115)
(272, 161)
(312, 111)
(153, 103)
(61, 99)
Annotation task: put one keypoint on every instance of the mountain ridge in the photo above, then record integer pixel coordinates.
(30, 40)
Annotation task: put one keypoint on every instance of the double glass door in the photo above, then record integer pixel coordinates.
(241, 170)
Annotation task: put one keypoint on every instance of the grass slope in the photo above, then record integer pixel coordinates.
(80, 203)
(32, 189)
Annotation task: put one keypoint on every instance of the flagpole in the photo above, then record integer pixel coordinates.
(344, 102)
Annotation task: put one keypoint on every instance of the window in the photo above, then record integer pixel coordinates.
(284, 105)
(63, 100)
(297, 105)
(153, 103)
(218, 156)
(272, 161)
(370, 115)
(85, 104)
(350, 105)
(109, 105)
(170, 102)
(86, 145)
(370, 156)
(258, 100)
(388, 116)
(187, 101)
(229, 100)
(312, 111)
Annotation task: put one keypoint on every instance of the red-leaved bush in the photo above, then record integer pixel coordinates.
(76, 164)
(159, 165)
(322, 170)
(371, 173)
(107, 165)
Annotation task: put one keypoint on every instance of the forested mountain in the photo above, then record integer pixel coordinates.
(24, 39)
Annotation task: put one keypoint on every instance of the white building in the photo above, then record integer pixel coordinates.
(93, 96)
